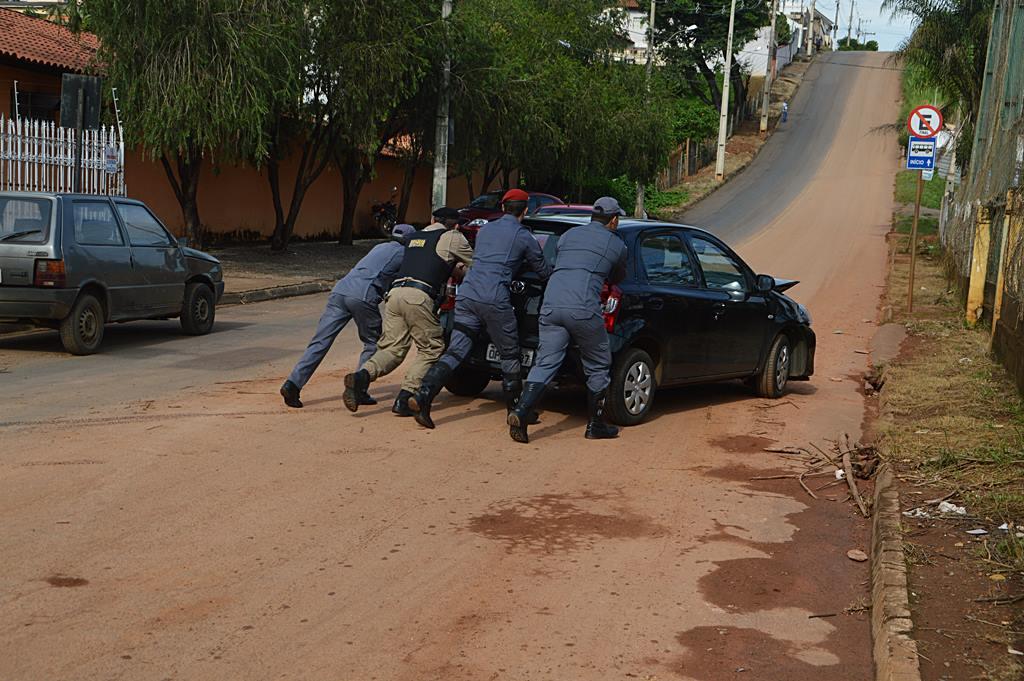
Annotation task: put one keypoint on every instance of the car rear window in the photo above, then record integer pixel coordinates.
(25, 220)
(488, 201)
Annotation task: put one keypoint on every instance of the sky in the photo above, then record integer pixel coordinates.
(888, 32)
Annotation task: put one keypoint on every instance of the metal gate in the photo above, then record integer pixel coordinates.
(39, 156)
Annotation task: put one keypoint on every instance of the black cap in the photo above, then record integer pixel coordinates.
(446, 213)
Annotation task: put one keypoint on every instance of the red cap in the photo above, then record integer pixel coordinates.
(515, 195)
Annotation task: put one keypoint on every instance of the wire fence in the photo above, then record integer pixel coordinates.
(39, 156)
(984, 232)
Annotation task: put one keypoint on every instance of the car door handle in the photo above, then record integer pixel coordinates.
(655, 303)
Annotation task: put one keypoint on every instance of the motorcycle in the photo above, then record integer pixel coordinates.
(385, 215)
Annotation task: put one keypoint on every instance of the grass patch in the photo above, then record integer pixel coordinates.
(951, 416)
(926, 225)
(906, 189)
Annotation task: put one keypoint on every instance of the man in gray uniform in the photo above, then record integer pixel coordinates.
(503, 248)
(356, 296)
(588, 256)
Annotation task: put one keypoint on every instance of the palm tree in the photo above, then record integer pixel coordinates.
(947, 50)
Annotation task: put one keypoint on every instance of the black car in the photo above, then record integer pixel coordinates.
(689, 311)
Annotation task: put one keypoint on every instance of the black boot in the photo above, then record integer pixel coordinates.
(597, 429)
(290, 393)
(401, 405)
(424, 397)
(512, 389)
(356, 386)
(365, 400)
(520, 417)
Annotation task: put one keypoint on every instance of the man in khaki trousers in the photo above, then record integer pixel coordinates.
(410, 313)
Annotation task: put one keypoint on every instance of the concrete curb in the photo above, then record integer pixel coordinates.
(895, 650)
(276, 292)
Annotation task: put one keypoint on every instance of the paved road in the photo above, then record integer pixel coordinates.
(165, 518)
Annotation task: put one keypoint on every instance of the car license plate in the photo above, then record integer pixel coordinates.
(526, 355)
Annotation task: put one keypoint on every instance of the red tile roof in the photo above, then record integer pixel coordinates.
(44, 42)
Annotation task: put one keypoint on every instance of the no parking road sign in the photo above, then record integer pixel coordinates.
(921, 154)
(925, 121)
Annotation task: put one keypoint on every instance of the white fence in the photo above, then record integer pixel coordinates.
(39, 156)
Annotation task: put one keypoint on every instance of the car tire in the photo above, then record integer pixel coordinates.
(81, 332)
(774, 375)
(199, 310)
(631, 393)
(467, 382)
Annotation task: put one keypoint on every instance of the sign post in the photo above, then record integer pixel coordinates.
(924, 124)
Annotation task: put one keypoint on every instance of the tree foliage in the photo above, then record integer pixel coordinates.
(692, 38)
(195, 79)
(536, 87)
(783, 33)
(947, 50)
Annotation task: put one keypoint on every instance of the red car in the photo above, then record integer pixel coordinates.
(487, 207)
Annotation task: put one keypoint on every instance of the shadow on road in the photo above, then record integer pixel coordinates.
(133, 335)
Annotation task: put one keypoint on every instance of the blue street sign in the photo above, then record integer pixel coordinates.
(920, 153)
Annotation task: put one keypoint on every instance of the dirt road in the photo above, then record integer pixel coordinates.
(186, 526)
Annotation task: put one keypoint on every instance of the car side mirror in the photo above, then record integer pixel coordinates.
(765, 283)
(183, 241)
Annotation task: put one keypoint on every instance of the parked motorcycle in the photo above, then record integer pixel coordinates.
(385, 215)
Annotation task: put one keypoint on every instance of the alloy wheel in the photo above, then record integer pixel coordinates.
(782, 367)
(637, 388)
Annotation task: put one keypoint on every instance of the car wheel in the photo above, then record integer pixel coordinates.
(631, 392)
(198, 313)
(81, 332)
(771, 382)
(467, 382)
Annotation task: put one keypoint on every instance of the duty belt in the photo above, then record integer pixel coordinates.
(412, 283)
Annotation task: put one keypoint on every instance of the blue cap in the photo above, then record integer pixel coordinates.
(401, 232)
(606, 205)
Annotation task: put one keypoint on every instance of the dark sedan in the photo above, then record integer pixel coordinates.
(487, 207)
(689, 311)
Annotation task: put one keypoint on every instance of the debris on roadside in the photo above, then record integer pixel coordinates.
(847, 462)
(857, 555)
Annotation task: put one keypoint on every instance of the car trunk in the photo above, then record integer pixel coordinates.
(25, 236)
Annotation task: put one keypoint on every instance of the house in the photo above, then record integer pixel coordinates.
(233, 200)
(635, 26)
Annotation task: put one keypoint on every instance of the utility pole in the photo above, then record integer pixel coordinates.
(439, 191)
(810, 31)
(835, 30)
(860, 20)
(639, 210)
(849, 25)
(769, 72)
(723, 120)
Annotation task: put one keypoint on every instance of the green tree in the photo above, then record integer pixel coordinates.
(947, 50)
(351, 81)
(195, 78)
(692, 39)
(783, 33)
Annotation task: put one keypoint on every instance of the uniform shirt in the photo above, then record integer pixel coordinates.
(588, 255)
(372, 276)
(502, 248)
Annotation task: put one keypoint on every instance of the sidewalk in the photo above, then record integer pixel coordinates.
(254, 272)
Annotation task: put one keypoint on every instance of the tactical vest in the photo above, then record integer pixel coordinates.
(422, 263)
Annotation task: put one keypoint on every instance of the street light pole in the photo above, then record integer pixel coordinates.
(723, 120)
(849, 24)
(810, 31)
(638, 211)
(769, 71)
(439, 189)
(835, 30)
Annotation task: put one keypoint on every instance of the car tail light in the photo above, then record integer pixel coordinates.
(50, 273)
(449, 297)
(611, 298)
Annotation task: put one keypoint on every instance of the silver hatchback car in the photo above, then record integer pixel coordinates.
(74, 262)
